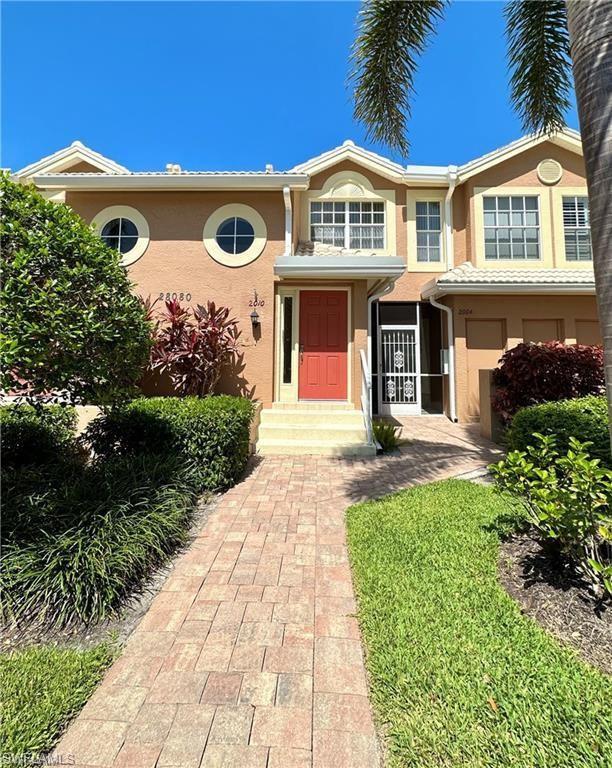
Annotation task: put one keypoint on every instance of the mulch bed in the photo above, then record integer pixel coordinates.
(558, 599)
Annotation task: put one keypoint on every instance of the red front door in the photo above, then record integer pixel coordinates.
(323, 345)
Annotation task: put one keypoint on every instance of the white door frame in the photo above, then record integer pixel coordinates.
(400, 409)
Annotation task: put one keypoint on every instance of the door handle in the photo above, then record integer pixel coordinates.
(301, 352)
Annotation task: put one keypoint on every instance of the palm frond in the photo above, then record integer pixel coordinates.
(538, 55)
(392, 34)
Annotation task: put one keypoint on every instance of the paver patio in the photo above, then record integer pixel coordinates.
(250, 656)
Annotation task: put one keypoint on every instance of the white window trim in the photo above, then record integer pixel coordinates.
(347, 224)
(125, 212)
(497, 226)
(546, 260)
(351, 186)
(227, 212)
(414, 196)
(438, 232)
(577, 228)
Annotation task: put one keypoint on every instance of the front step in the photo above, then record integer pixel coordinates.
(293, 417)
(315, 405)
(271, 447)
(319, 428)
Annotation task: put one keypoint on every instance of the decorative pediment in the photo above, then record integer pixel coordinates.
(77, 158)
(346, 185)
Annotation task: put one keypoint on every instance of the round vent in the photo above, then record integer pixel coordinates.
(549, 171)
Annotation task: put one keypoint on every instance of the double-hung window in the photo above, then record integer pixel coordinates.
(354, 225)
(428, 228)
(512, 227)
(577, 229)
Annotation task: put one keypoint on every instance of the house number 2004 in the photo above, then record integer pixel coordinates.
(174, 296)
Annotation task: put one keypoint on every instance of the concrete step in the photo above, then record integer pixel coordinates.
(287, 417)
(295, 447)
(315, 405)
(327, 431)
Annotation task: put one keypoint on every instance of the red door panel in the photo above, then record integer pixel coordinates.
(323, 345)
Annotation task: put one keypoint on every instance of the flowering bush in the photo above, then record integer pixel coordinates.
(567, 500)
(192, 346)
(538, 373)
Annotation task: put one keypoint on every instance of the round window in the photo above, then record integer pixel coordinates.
(235, 235)
(121, 234)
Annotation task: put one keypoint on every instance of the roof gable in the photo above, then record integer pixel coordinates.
(567, 138)
(68, 157)
(350, 151)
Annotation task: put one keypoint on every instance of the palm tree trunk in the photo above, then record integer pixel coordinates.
(590, 28)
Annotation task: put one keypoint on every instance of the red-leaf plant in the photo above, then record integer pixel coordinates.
(537, 373)
(193, 345)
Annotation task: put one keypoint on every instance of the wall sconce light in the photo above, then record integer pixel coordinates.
(254, 318)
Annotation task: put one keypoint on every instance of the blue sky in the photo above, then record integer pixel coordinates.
(233, 85)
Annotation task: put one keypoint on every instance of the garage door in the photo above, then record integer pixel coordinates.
(486, 342)
(588, 332)
(543, 330)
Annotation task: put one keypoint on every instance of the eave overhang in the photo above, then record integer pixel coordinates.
(97, 182)
(435, 289)
(347, 267)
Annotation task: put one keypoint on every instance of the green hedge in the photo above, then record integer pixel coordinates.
(211, 434)
(585, 418)
(31, 436)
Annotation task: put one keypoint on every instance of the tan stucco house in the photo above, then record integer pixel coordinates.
(360, 284)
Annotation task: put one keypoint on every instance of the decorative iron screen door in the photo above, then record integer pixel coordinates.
(400, 381)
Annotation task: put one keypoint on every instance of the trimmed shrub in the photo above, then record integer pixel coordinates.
(211, 435)
(35, 435)
(77, 544)
(584, 418)
(567, 500)
(540, 373)
(75, 325)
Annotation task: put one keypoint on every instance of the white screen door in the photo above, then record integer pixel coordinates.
(399, 390)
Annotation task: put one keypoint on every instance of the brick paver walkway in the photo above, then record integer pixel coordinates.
(250, 656)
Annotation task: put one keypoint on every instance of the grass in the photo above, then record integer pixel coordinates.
(41, 689)
(459, 677)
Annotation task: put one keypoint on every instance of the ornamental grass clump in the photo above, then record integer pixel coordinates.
(567, 500)
(76, 545)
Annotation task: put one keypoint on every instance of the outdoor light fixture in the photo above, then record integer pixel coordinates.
(254, 318)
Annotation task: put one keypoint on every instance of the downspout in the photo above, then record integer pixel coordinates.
(452, 394)
(448, 217)
(288, 222)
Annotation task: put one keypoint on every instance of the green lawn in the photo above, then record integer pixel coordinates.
(459, 678)
(41, 688)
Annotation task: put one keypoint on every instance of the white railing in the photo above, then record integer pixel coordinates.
(366, 396)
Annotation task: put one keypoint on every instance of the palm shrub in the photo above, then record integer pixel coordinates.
(567, 501)
(192, 346)
(210, 435)
(74, 325)
(386, 434)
